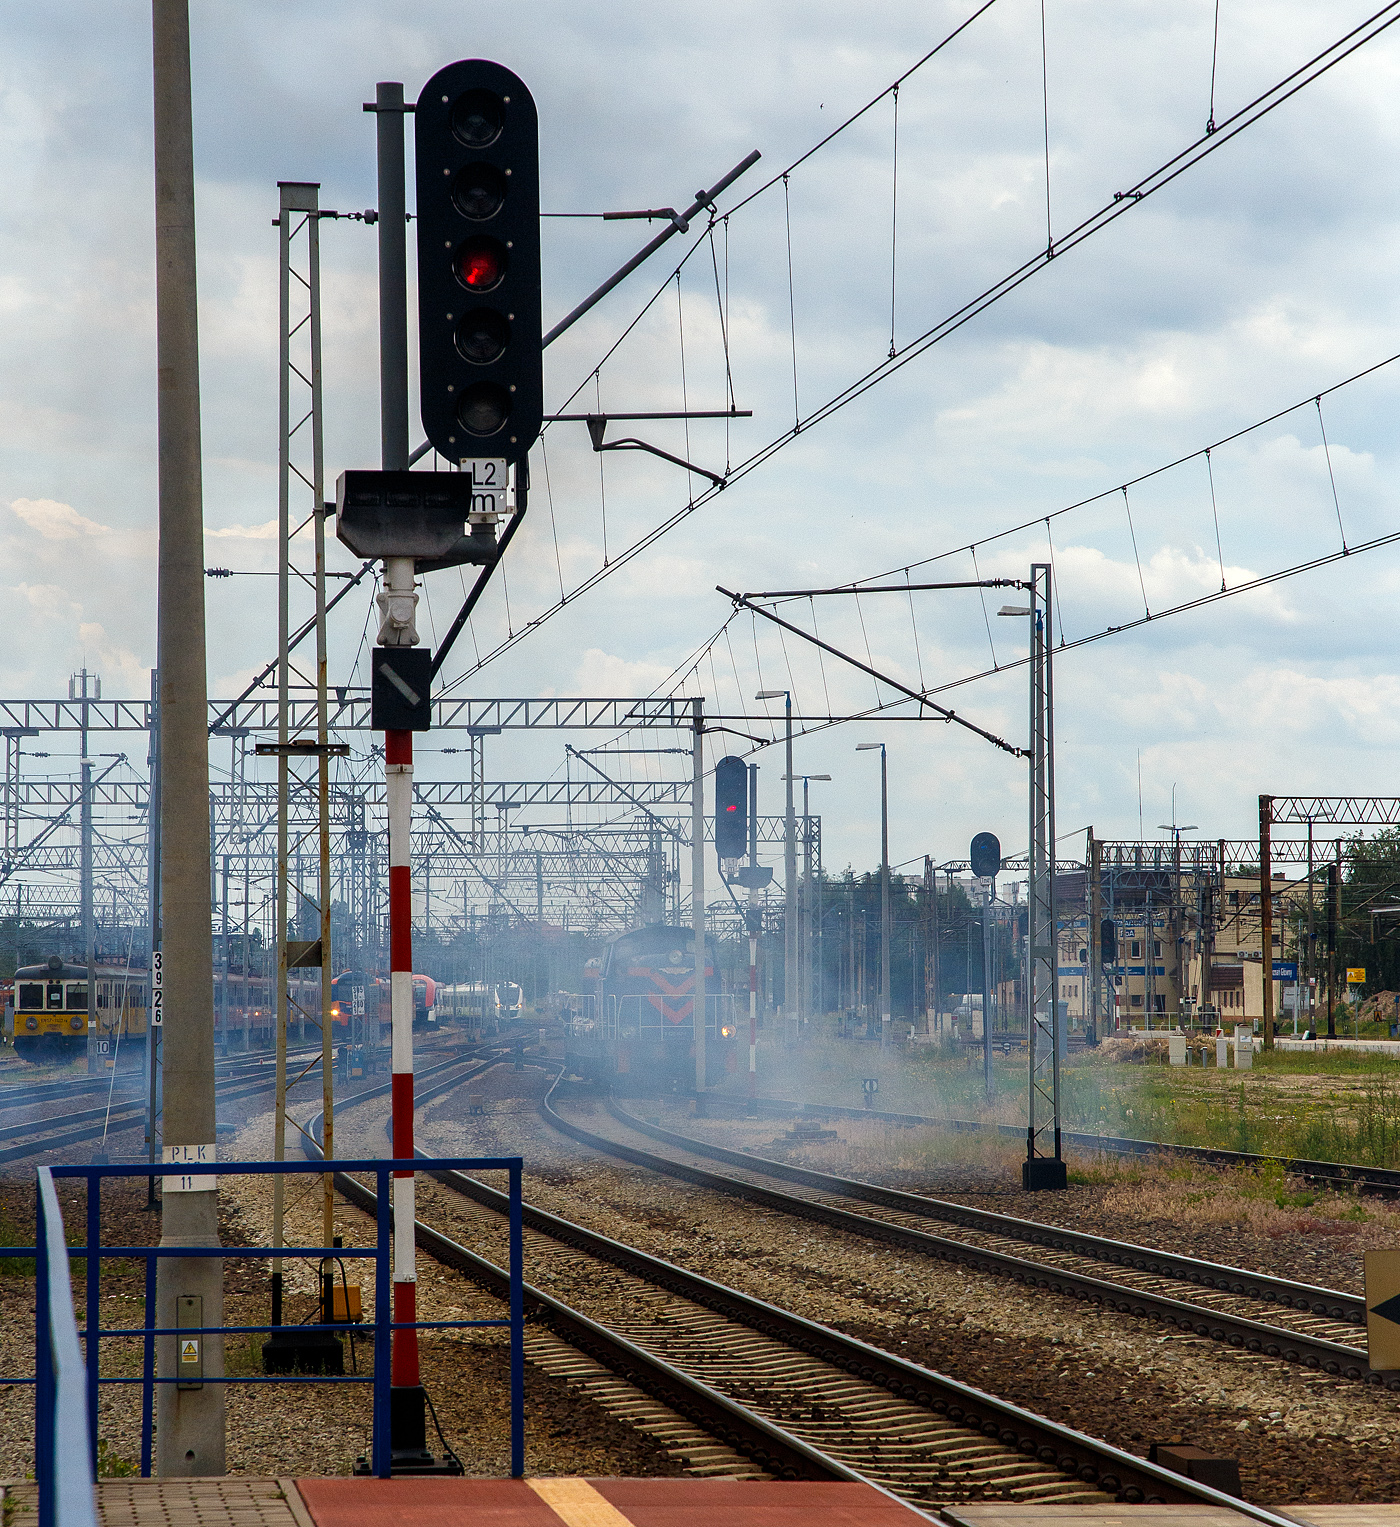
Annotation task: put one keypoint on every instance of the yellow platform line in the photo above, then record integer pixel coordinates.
(577, 1504)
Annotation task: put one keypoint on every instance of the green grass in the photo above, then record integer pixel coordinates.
(1263, 1111)
(12, 1235)
(112, 1465)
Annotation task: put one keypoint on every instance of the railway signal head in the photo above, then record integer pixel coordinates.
(1108, 941)
(731, 808)
(480, 364)
(985, 856)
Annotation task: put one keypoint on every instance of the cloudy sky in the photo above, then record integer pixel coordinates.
(1258, 280)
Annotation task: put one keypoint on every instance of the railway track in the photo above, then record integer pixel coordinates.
(793, 1397)
(246, 1078)
(22, 1094)
(1313, 1327)
(1377, 1179)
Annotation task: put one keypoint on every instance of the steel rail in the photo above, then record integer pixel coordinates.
(1235, 1330)
(1343, 1173)
(1333, 1303)
(32, 1095)
(1096, 1463)
(766, 1445)
(125, 1115)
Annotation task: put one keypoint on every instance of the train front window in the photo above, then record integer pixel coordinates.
(31, 995)
(77, 997)
(55, 994)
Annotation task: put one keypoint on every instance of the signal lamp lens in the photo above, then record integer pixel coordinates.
(484, 408)
(480, 264)
(482, 336)
(479, 191)
(477, 118)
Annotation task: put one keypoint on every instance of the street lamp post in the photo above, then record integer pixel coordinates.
(790, 978)
(862, 747)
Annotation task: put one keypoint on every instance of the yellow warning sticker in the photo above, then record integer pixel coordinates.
(189, 1351)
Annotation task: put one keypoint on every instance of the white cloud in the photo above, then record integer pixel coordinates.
(1254, 281)
(55, 521)
(267, 531)
(123, 673)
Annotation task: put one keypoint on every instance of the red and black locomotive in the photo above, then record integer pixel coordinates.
(637, 1034)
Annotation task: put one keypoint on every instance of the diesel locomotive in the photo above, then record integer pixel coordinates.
(637, 1033)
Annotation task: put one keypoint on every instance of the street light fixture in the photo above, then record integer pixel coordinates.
(789, 859)
(868, 747)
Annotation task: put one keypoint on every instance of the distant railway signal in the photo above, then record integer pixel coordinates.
(480, 359)
(731, 808)
(985, 856)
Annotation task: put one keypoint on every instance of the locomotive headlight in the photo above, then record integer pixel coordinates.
(726, 1032)
(31, 1024)
(76, 1022)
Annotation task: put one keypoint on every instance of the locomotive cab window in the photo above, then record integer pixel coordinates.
(55, 994)
(31, 995)
(77, 996)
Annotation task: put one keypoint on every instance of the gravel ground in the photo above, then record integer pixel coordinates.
(1267, 1222)
(300, 1429)
(1298, 1436)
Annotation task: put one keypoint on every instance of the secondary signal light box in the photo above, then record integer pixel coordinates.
(480, 364)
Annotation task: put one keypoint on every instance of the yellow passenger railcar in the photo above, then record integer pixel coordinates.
(51, 1007)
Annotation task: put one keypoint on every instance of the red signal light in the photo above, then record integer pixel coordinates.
(480, 264)
(731, 808)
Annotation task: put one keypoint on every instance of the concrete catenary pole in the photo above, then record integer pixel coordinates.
(155, 1027)
(85, 873)
(791, 978)
(886, 924)
(697, 891)
(754, 922)
(1094, 859)
(189, 1291)
(1266, 915)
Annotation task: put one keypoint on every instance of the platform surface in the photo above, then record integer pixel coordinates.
(596, 1503)
(267, 1502)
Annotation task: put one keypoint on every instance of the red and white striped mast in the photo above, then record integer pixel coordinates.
(398, 606)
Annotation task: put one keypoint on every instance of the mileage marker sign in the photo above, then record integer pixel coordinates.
(189, 1155)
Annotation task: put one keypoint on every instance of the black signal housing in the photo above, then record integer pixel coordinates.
(731, 808)
(481, 384)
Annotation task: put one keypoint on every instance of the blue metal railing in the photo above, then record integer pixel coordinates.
(67, 1387)
(63, 1443)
